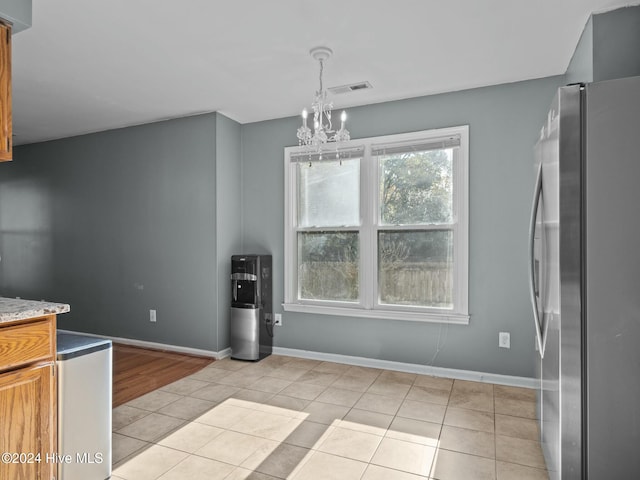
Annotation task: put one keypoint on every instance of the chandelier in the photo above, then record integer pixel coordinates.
(323, 131)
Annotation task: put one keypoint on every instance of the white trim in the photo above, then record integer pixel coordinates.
(510, 380)
(289, 234)
(368, 304)
(461, 237)
(223, 353)
(159, 346)
(368, 210)
(386, 314)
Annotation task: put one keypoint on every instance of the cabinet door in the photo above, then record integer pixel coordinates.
(6, 129)
(28, 416)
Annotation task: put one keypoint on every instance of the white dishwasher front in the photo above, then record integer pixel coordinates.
(84, 407)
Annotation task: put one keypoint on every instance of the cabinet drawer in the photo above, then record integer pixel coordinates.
(27, 343)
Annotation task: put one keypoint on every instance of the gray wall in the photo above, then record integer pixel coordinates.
(616, 44)
(18, 12)
(228, 216)
(608, 47)
(116, 223)
(119, 222)
(504, 123)
(580, 68)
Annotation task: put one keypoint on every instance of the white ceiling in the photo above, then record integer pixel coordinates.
(91, 65)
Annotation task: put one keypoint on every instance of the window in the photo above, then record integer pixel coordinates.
(381, 231)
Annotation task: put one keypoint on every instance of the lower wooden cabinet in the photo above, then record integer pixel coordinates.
(28, 419)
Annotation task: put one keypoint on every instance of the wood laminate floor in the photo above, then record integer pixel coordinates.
(137, 371)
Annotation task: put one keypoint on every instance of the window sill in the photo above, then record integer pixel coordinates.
(426, 317)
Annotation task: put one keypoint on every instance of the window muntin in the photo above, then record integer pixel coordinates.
(394, 243)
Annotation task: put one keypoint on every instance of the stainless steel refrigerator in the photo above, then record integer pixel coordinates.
(585, 281)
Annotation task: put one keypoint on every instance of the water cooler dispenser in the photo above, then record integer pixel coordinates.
(251, 322)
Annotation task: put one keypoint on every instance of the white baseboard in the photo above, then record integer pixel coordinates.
(509, 380)
(159, 346)
(224, 353)
(347, 359)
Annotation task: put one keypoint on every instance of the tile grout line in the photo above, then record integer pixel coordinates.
(349, 410)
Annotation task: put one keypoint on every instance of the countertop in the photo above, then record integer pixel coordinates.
(72, 345)
(12, 309)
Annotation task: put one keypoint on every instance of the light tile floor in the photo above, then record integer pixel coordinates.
(299, 419)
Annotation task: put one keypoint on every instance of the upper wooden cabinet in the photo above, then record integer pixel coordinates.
(6, 130)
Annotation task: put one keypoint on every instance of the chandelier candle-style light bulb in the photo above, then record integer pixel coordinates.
(322, 129)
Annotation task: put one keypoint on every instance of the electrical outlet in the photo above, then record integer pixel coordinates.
(278, 319)
(504, 340)
(152, 316)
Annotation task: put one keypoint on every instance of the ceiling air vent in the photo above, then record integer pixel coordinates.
(354, 87)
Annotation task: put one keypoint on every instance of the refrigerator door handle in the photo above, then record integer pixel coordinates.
(532, 274)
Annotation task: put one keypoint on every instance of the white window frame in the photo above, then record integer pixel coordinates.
(368, 306)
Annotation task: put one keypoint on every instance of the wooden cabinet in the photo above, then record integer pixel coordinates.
(6, 129)
(27, 343)
(27, 396)
(28, 399)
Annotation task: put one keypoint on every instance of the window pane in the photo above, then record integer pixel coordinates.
(328, 266)
(416, 268)
(416, 188)
(329, 193)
